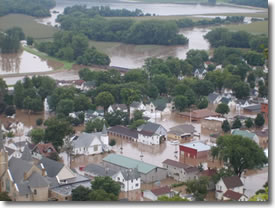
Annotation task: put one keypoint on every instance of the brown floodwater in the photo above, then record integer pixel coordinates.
(24, 62)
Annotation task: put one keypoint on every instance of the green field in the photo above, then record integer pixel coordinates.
(255, 27)
(28, 24)
(260, 14)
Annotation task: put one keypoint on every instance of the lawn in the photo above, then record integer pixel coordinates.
(28, 24)
(260, 14)
(255, 27)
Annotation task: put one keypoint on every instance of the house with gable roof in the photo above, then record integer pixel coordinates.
(246, 134)
(159, 107)
(230, 188)
(91, 143)
(153, 194)
(43, 150)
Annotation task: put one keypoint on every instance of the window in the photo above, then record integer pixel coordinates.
(136, 184)
(34, 192)
(118, 178)
(95, 148)
(132, 181)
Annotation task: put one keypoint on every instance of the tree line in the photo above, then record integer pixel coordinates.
(10, 40)
(73, 46)
(255, 3)
(36, 8)
(122, 30)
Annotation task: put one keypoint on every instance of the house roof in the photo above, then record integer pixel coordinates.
(160, 103)
(208, 172)
(181, 129)
(253, 108)
(36, 180)
(26, 155)
(262, 133)
(232, 195)
(85, 139)
(9, 150)
(130, 174)
(135, 104)
(52, 167)
(232, 182)
(212, 97)
(43, 149)
(119, 106)
(17, 168)
(177, 164)
(100, 170)
(242, 133)
(202, 113)
(197, 146)
(161, 191)
(225, 100)
(149, 127)
(127, 162)
(124, 131)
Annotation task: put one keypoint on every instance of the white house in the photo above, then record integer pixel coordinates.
(158, 192)
(117, 107)
(137, 106)
(128, 179)
(89, 144)
(159, 107)
(200, 73)
(214, 98)
(153, 128)
(234, 185)
(148, 138)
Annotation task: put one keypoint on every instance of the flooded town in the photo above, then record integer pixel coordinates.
(135, 101)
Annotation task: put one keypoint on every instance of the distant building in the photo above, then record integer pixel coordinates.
(43, 150)
(117, 107)
(158, 192)
(214, 98)
(212, 123)
(246, 134)
(263, 137)
(264, 109)
(230, 188)
(159, 107)
(252, 109)
(180, 171)
(149, 173)
(183, 133)
(196, 150)
(153, 128)
(128, 179)
(91, 143)
(198, 115)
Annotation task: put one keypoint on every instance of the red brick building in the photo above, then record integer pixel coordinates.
(264, 110)
(195, 150)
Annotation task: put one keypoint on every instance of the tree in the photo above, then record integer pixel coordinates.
(237, 124)
(181, 102)
(4, 196)
(128, 97)
(56, 131)
(239, 153)
(104, 189)
(260, 196)
(225, 126)
(222, 108)
(223, 172)
(112, 142)
(255, 58)
(137, 123)
(241, 90)
(82, 103)
(65, 106)
(37, 135)
(249, 123)
(10, 110)
(80, 193)
(39, 121)
(259, 120)
(29, 41)
(174, 198)
(117, 118)
(203, 103)
(94, 125)
(104, 99)
(197, 187)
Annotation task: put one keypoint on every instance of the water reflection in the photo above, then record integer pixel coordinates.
(24, 62)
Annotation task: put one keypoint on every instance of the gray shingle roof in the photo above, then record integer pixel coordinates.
(99, 170)
(212, 97)
(17, 168)
(130, 174)
(124, 131)
(37, 181)
(225, 100)
(149, 127)
(52, 167)
(26, 155)
(85, 139)
(183, 129)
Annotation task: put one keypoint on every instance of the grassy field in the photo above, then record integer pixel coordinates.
(255, 27)
(66, 64)
(28, 24)
(261, 15)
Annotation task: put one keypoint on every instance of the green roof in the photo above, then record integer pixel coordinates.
(127, 162)
(160, 103)
(243, 133)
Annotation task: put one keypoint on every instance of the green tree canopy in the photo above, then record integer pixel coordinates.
(222, 108)
(197, 187)
(259, 120)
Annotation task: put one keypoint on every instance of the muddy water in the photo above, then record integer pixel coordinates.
(133, 56)
(157, 8)
(23, 62)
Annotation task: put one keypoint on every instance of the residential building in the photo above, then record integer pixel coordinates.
(213, 124)
(137, 106)
(198, 115)
(247, 134)
(252, 109)
(234, 185)
(200, 73)
(180, 171)
(158, 192)
(129, 179)
(117, 107)
(91, 143)
(182, 133)
(264, 109)
(159, 107)
(263, 137)
(43, 150)
(149, 173)
(214, 98)
(209, 174)
(195, 149)
(153, 128)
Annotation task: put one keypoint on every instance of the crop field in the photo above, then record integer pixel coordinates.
(28, 24)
